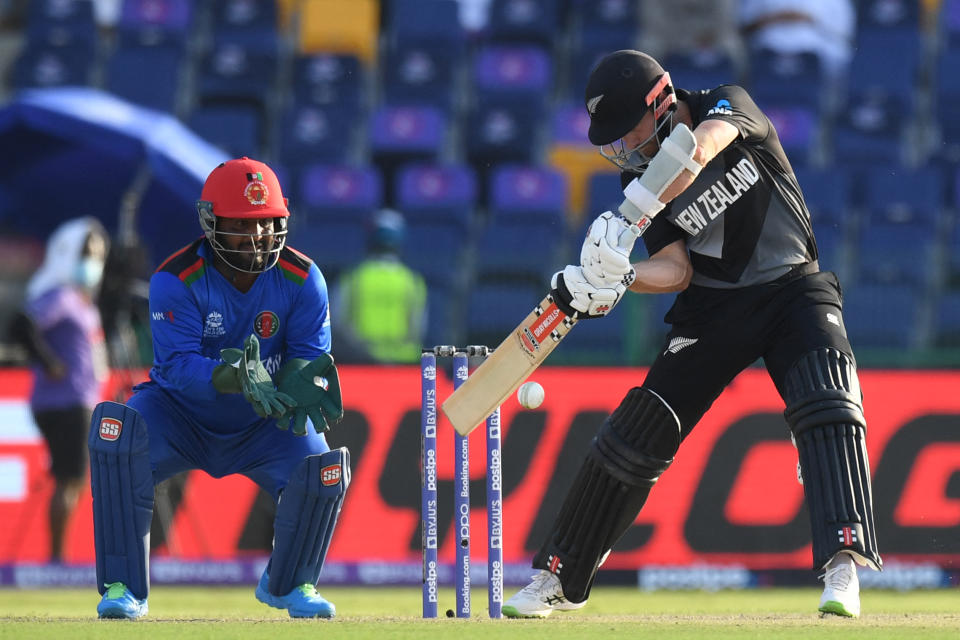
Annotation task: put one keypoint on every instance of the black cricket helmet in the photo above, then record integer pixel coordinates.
(622, 87)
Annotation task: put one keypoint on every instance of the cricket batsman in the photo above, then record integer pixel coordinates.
(242, 382)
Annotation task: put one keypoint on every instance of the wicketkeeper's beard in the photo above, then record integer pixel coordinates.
(250, 256)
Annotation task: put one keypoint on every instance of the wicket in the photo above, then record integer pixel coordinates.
(428, 489)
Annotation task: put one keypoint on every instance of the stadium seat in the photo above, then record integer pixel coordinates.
(946, 329)
(797, 128)
(311, 133)
(524, 21)
(613, 24)
(604, 193)
(438, 202)
(168, 19)
(424, 22)
(229, 71)
(870, 129)
(339, 26)
(45, 66)
(879, 316)
(519, 249)
(514, 73)
(896, 254)
(899, 195)
(336, 244)
(950, 22)
(530, 193)
(420, 74)
(702, 69)
(501, 132)
(234, 128)
(495, 309)
(58, 23)
(787, 79)
(330, 192)
(827, 192)
(330, 80)
(252, 23)
(146, 75)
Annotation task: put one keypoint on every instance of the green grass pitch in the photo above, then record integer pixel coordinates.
(190, 613)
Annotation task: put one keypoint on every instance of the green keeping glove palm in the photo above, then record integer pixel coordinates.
(315, 387)
(253, 380)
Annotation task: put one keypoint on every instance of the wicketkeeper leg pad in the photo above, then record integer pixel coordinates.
(824, 411)
(633, 447)
(121, 482)
(306, 518)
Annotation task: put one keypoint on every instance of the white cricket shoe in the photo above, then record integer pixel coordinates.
(539, 598)
(841, 587)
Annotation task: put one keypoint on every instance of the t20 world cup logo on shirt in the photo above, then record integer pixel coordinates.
(266, 324)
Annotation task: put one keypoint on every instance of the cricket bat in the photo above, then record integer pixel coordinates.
(511, 363)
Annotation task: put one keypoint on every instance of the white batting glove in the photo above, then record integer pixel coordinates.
(573, 289)
(605, 255)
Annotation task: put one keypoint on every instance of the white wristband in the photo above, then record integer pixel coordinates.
(640, 202)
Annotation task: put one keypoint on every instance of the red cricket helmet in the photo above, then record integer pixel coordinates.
(245, 189)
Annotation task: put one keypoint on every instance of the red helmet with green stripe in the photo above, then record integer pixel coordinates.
(244, 189)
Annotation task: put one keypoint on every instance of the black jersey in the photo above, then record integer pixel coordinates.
(744, 219)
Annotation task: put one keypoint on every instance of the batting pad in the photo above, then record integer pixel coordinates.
(633, 447)
(121, 482)
(306, 517)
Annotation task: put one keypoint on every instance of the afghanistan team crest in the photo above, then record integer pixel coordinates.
(266, 324)
(256, 191)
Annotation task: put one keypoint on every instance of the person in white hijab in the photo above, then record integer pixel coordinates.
(61, 329)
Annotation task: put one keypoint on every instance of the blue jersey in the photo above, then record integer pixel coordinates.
(195, 312)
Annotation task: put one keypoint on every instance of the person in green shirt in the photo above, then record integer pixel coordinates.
(380, 305)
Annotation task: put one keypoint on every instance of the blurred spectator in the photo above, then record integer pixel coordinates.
(688, 26)
(61, 330)
(823, 27)
(380, 305)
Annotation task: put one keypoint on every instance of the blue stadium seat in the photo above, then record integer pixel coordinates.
(425, 21)
(869, 129)
(786, 79)
(703, 69)
(797, 128)
(524, 21)
(514, 73)
(582, 62)
(604, 192)
(946, 329)
(59, 22)
(148, 75)
(881, 316)
(234, 128)
(332, 192)
(898, 195)
(896, 254)
(505, 251)
(528, 193)
(416, 73)
(874, 68)
(310, 133)
(950, 22)
(438, 194)
(335, 244)
(45, 66)
(613, 24)
(407, 133)
(251, 23)
(831, 245)
(495, 309)
(444, 310)
(152, 19)
(827, 192)
(330, 80)
(501, 132)
(888, 14)
(230, 71)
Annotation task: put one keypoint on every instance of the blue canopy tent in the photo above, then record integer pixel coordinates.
(79, 151)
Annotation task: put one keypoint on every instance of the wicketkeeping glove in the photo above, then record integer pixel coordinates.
(315, 386)
(578, 298)
(243, 372)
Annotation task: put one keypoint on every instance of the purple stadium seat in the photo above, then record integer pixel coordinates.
(338, 191)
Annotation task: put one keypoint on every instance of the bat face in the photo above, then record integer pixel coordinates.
(511, 363)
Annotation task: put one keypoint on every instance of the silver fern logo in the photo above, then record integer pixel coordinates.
(679, 343)
(592, 104)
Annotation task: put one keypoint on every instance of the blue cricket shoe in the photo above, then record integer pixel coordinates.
(301, 602)
(119, 602)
